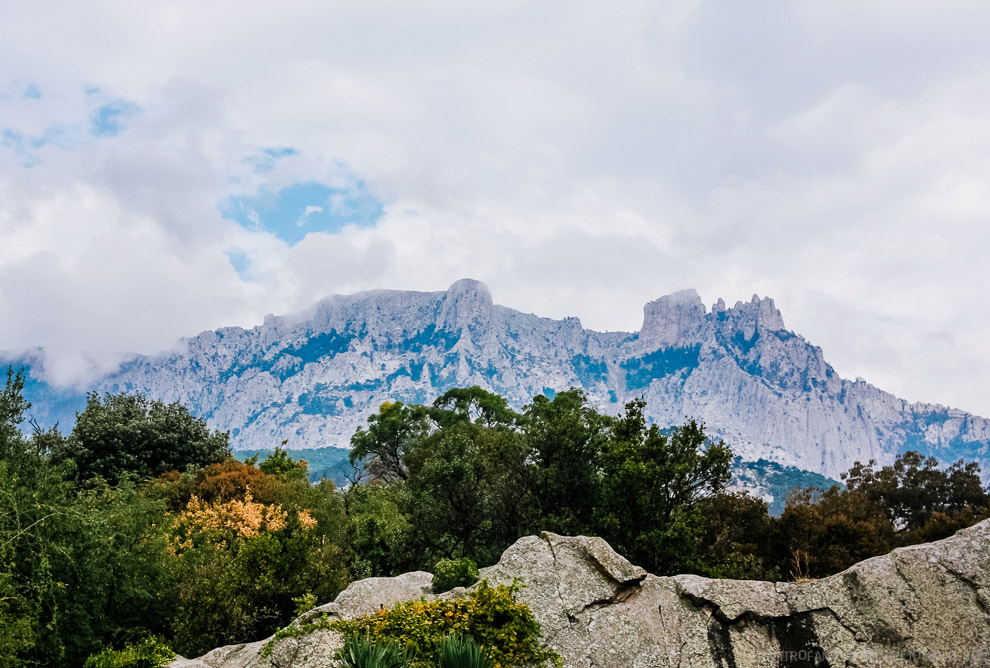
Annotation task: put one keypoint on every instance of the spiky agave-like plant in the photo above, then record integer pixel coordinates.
(364, 652)
(457, 651)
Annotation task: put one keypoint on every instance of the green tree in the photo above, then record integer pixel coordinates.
(467, 494)
(391, 434)
(824, 532)
(565, 437)
(77, 570)
(651, 485)
(738, 538)
(922, 500)
(13, 406)
(120, 435)
(280, 463)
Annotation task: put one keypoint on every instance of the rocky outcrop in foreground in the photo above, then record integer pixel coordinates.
(926, 605)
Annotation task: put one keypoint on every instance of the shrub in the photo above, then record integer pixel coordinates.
(151, 652)
(450, 573)
(506, 629)
(365, 652)
(457, 651)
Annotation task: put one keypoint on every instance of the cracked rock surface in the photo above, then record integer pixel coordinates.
(926, 606)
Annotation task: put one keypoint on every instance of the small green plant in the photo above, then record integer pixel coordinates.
(304, 603)
(365, 652)
(152, 652)
(450, 573)
(459, 651)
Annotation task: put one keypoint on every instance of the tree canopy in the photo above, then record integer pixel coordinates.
(119, 435)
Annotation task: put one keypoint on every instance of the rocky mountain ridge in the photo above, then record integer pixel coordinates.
(312, 378)
(925, 605)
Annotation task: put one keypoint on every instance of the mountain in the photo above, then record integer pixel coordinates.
(312, 378)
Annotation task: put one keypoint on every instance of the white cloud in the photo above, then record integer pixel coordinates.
(581, 159)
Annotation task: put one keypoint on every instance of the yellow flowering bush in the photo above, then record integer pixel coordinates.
(221, 522)
(506, 629)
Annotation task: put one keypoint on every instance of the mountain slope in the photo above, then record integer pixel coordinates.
(312, 378)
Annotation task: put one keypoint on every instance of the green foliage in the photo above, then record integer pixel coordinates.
(236, 583)
(365, 652)
(506, 629)
(473, 405)
(652, 484)
(121, 435)
(305, 602)
(450, 573)
(460, 651)
(923, 501)
(566, 438)
(825, 532)
(390, 435)
(451, 501)
(378, 530)
(280, 463)
(327, 462)
(152, 652)
(738, 538)
(12, 409)
(213, 551)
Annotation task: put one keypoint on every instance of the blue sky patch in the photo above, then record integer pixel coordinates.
(31, 92)
(20, 146)
(25, 146)
(108, 119)
(265, 162)
(240, 262)
(293, 212)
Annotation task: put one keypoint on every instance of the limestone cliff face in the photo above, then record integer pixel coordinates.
(312, 378)
(926, 605)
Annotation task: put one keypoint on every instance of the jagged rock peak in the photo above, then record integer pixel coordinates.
(919, 605)
(676, 319)
(753, 315)
(467, 302)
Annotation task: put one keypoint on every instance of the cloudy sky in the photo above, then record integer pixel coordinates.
(171, 167)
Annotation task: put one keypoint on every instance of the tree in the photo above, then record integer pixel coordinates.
(651, 485)
(467, 494)
(12, 409)
(565, 437)
(122, 435)
(475, 405)
(923, 501)
(391, 434)
(738, 538)
(827, 531)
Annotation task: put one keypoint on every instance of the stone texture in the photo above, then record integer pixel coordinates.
(926, 605)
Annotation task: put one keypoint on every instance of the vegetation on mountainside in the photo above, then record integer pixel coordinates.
(139, 525)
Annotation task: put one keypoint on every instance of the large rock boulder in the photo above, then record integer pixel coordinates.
(925, 605)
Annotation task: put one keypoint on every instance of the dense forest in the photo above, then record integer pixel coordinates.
(140, 528)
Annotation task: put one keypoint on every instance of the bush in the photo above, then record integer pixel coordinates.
(450, 573)
(490, 615)
(151, 652)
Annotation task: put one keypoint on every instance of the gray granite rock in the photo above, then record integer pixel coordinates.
(926, 605)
